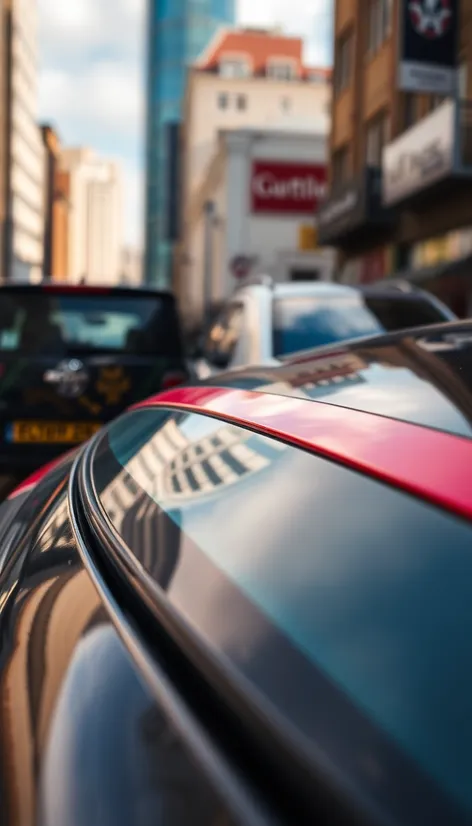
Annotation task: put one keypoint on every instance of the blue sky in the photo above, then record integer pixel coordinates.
(91, 81)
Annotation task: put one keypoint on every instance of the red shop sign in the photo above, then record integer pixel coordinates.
(290, 188)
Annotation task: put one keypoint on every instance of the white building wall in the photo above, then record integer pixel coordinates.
(271, 239)
(27, 150)
(293, 105)
(95, 224)
(131, 266)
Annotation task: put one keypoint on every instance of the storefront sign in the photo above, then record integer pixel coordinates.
(287, 188)
(356, 206)
(420, 157)
(339, 208)
(428, 46)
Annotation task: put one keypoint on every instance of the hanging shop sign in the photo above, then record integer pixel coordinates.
(428, 43)
(420, 157)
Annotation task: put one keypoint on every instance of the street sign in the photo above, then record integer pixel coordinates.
(241, 265)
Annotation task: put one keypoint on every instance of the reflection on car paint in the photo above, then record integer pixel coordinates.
(422, 380)
(275, 536)
(174, 467)
(83, 742)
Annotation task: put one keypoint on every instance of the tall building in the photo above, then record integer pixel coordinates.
(177, 34)
(255, 117)
(131, 266)
(56, 209)
(95, 224)
(24, 223)
(400, 199)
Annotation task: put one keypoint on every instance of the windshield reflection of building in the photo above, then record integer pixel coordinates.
(313, 377)
(447, 370)
(174, 471)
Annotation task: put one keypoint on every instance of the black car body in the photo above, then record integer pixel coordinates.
(72, 357)
(248, 602)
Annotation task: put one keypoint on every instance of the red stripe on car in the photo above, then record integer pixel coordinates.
(432, 464)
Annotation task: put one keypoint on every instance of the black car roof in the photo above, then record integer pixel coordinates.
(50, 285)
(423, 376)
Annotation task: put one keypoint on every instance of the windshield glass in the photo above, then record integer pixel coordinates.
(45, 323)
(311, 584)
(399, 313)
(302, 322)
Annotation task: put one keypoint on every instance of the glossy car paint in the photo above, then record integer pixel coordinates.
(83, 741)
(104, 717)
(279, 599)
(436, 466)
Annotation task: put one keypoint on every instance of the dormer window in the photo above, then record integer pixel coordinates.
(234, 67)
(281, 69)
(317, 77)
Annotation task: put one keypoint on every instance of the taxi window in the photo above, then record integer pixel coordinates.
(43, 323)
(313, 582)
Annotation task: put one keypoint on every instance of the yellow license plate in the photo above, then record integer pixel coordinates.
(52, 432)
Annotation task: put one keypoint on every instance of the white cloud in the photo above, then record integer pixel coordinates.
(105, 98)
(311, 19)
(79, 29)
(92, 78)
(92, 84)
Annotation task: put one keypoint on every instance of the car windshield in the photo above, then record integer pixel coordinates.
(302, 322)
(51, 323)
(400, 313)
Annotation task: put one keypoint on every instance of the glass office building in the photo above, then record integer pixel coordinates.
(178, 32)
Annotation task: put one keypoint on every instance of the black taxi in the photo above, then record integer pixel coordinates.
(72, 357)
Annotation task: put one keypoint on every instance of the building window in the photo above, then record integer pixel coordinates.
(410, 109)
(377, 136)
(318, 77)
(222, 100)
(241, 102)
(280, 71)
(233, 67)
(342, 72)
(340, 167)
(379, 24)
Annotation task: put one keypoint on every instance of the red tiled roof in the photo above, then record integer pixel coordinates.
(260, 47)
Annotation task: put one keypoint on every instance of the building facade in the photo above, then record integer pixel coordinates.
(95, 225)
(131, 266)
(176, 34)
(24, 221)
(254, 115)
(253, 215)
(56, 209)
(400, 200)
